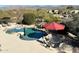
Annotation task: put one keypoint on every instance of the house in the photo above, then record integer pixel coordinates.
(56, 11)
(58, 15)
(75, 11)
(53, 11)
(50, 11)
(38, 20)
(14, 18)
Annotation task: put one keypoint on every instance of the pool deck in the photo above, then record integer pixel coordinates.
(11, 43)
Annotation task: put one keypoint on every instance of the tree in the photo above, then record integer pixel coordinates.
(28, 18)
(70, 7)
(50, 18)
(74, 24)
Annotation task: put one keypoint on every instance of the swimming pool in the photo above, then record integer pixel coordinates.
(33, 34)
(29, 33)
(14, 30)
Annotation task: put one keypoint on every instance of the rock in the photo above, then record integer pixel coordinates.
(66, 48)
(76, 50)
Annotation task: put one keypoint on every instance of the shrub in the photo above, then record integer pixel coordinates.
(28, 18)
(51, 19)
(6, 19)
(74, 24)
(46, 20)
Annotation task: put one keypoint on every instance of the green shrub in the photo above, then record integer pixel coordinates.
(28, 18)
(46, 20)
(51, 19)
(6, 19)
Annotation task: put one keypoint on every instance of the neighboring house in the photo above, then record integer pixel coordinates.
(39, 19)
(53, 11)
(50, 11)
(56, 11)
(14, 18)
(75, 11)
(58, 15)
(39, 22)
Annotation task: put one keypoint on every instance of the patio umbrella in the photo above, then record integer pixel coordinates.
(46, 24)
(54, 26)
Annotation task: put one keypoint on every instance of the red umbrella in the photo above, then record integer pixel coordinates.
(45, 25)
(54, 26)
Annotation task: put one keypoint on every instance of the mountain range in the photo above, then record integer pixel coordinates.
(4, 7)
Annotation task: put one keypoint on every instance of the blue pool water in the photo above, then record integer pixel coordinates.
(14, 30)
(29, 32)
(34, 33)
(37, 34)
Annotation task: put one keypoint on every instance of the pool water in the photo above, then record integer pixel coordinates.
(14, 30)
(28, 32)
(34, 33)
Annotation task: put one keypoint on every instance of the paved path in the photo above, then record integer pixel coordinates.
(12, 43)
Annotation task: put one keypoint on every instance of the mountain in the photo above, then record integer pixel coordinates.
(30, 6)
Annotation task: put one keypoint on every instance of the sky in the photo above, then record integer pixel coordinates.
(4, 3)
(39, 2)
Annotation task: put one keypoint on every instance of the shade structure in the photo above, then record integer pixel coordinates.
(54, 26)
(45, 25)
